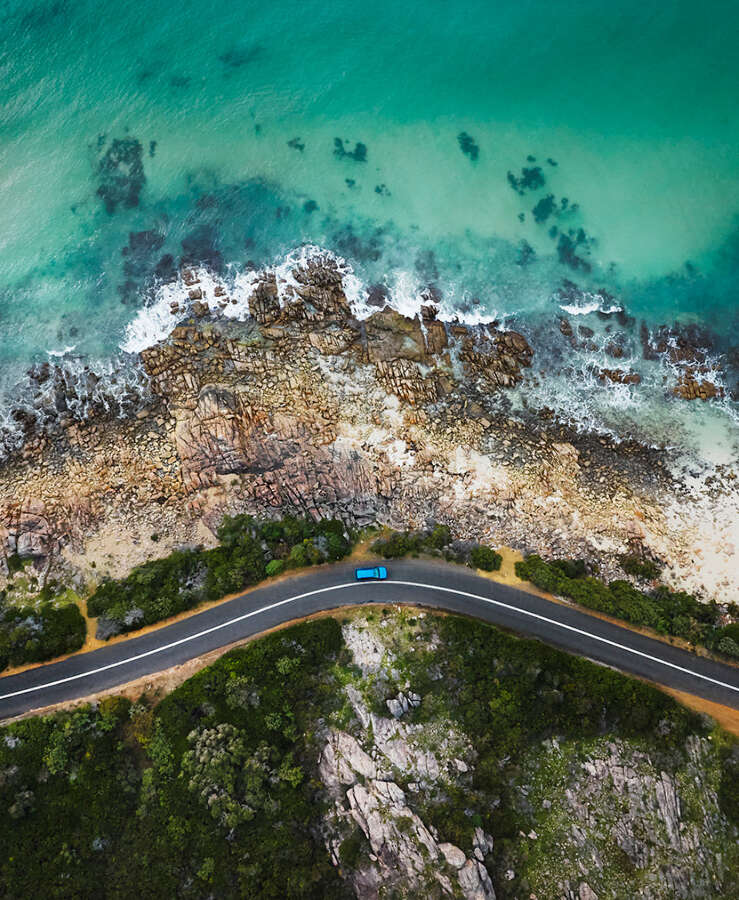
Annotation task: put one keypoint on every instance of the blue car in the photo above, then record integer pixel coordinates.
(376, 573)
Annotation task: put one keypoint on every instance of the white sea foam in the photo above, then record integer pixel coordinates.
(407, 293)
(589, 306)
(172, 303)
(61, 353)
(589, 302)
(230, 295)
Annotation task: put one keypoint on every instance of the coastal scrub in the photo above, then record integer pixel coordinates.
(285, 767)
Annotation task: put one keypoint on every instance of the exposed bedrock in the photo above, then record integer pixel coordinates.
(302, 408)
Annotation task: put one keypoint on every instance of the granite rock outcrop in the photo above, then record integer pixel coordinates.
(302, 408)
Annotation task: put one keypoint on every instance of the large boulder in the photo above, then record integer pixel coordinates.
(391, 335)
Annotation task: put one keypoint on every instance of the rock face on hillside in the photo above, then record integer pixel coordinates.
(604, 817)
(304, 409)
(619, 810)
(404, 854)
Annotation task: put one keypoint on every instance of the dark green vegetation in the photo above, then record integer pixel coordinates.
(30, 634)
(210, 793)
(507, 694)
(640, 568)
(214, 792)
(667, 612)
(437, 541)
(249, 551)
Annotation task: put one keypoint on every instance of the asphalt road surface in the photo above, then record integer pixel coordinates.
(434, 585)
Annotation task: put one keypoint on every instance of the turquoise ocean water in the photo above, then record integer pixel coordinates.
(134, 136)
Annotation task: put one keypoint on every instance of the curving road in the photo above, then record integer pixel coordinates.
(448, 587)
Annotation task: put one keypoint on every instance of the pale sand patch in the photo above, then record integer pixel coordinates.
(706, 559)
(115, 548)
(507, 573)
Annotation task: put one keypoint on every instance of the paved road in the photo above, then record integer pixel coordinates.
(449, 587)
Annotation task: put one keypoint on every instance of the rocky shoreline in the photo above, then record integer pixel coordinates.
(303, 408)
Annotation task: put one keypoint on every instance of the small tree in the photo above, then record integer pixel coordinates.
(485, 558)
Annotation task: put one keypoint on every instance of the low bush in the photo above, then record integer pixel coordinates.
(731, 631)
(15, 563)
(729, 647)
(485, 558)
(639, 567)
(668, 612)
(572, 568)
(275, 567)
(350, 850)
(31, 634)
(398, 544)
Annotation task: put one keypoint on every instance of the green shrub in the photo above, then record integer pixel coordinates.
(15, 563)
(275, 567)
(640, 568)
(398, 544)
(337, 546)
(350, 849)
(485, 558)
(729, 647)
(29, 634)
(298, 557)
(731, 631)
(572, 568)
(439, 537)
(669, 612)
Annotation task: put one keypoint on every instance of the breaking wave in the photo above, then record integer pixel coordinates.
(568, 379)
(230, 295)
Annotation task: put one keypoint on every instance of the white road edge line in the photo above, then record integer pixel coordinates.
(351, 584)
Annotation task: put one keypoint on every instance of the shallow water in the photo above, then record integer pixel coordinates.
(628, 109)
